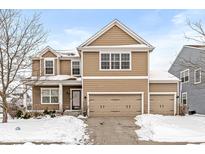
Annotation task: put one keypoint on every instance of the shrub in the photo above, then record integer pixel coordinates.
(37, 114)
(19, 114)
(45, 112)
(27, 115)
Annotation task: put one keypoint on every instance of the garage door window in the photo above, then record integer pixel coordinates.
(184, 98)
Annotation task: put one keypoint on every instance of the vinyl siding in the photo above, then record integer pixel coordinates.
(65, 67)
(35, 67)
(163, 87)
(114, 36)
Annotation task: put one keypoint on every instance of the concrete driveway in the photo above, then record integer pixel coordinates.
(112, 130)
(116, 131)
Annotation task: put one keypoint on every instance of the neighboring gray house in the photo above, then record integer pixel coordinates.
(189, 66)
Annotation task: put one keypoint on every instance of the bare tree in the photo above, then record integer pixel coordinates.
(20, 38)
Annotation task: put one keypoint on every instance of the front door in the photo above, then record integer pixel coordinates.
(76, 99)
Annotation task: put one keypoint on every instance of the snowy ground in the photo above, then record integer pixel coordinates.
(66, 129)
(171, 128)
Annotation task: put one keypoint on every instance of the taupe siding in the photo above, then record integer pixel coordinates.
(65, 67)
(114, 36)
(139, 65)
(115, 86)
(35, 67)
(163, 87)
(48, 54)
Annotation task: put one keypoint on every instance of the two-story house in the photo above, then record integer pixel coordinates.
(110, 77)
(189, 67)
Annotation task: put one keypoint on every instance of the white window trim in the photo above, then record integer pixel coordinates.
(184, 76)
(115, 52)
(195, 76)
(72, 67)
(49, 59)
(49, 89)
(184, 93)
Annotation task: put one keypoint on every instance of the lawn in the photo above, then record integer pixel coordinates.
(190, 128)
(62, 129)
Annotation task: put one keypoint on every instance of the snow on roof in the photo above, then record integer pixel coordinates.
(162, 75)
(54, 77)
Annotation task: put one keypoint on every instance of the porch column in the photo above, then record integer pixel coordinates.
(61, 97)
(25, 96)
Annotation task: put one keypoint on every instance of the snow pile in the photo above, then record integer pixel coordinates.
(171, 128)
(66, 129)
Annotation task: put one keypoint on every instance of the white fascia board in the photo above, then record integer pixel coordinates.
(163, 81)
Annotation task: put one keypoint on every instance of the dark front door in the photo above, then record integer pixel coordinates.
(76, 99)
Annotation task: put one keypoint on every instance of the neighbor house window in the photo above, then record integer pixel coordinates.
(76, 67)
(49, 95)
(115, 61)
(184, 98)
(184, 76)
(197, 76)
(49, 66)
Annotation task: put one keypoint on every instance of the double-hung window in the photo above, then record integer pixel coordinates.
(49, 95)
(76, 68)
(49, 66)
(184, 98)
(125, 61)
(197, 76)
(115, 61)
(184, 76)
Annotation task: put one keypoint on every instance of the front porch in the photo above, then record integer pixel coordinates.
(57, 97)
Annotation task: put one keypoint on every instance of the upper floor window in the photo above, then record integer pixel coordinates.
(49, 95)
(184, 76)
(49, 66)
(115, 61)
(184, 98)
(76, 67)
(197, 76)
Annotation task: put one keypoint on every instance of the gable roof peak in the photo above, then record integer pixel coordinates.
(121, 26)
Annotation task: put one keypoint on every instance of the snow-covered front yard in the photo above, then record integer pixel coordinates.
(66, 129)
(171, 128)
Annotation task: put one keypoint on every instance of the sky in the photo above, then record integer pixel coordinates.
(164, 29)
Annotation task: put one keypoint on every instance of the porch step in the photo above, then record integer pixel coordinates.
(72, 113)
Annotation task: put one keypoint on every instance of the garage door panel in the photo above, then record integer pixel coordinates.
(115, 104)
(162, 104)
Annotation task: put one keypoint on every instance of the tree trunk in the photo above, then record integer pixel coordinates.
(5, 111)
